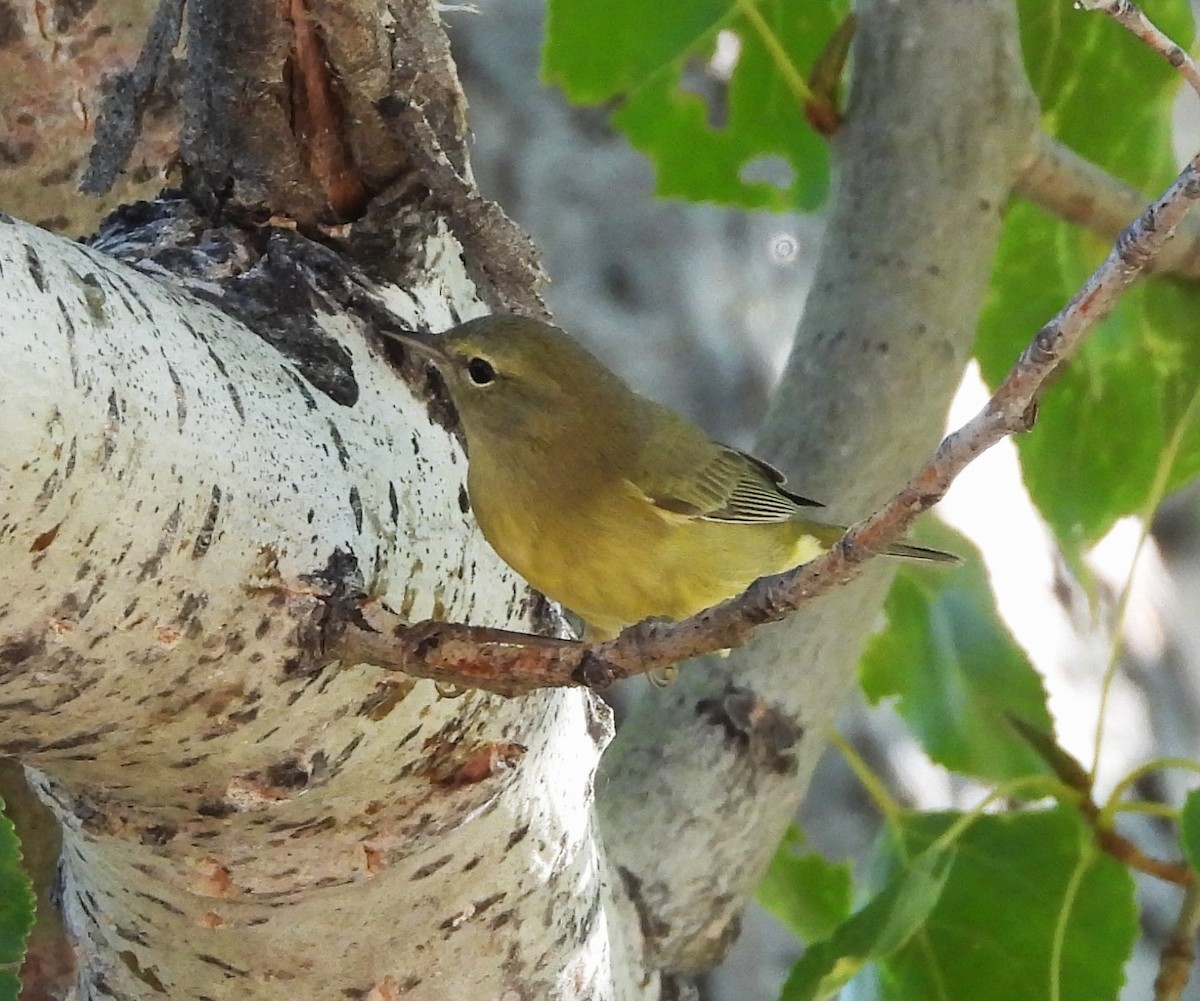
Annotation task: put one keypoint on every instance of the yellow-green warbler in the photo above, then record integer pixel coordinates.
(603, 500)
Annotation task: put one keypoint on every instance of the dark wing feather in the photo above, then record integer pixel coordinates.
(778, 479)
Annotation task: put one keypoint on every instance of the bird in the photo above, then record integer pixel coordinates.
(602, 499)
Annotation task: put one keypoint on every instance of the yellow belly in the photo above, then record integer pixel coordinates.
(619, 562)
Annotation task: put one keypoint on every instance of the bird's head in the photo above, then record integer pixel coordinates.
(511, 375)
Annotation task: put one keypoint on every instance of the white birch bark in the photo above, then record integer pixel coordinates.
(239, 820)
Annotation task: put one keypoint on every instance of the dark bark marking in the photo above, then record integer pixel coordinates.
(80, 739)
(110, 428)
(501, 919)
(754, 726)
(14, 154)
(67, 12)
(339, 446)
(189, 762)
(274, 300)
(151, 566)
(181, 408)
(205, 536)
(345, 754)
(50, 486)
(191, 606)
(145, 974)
(653, 927)
(34, 264)
(16, 652)
(72, 347)
(357, 508)
(165, 905)
(157, 835)
(129, 935)
(288, 774)
(221, 965)
(11, 31)
(310, 401)
(517, 837)
(431, 867)
(234, 396)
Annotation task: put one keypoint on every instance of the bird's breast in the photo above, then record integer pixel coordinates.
(604, 551)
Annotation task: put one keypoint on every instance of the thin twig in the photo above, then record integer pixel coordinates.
(1077, 191)
(1124, 850)
(1179, 951)
(1062, 182)
(1129, 15)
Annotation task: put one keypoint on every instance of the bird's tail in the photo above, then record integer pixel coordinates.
(905, 551)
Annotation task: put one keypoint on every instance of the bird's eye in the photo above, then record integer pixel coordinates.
(481, 372)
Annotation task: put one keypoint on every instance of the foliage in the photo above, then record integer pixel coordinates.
(704, 136)
(882, 927)
(16, 909)
(808, 894)
(1120, 427)
(1058, 918)
(959, 678)
(1024, 904)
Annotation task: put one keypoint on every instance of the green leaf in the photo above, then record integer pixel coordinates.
(806, 893)
(1117, 426)
(956, 672)
(1080, 62)
(1189, 829)
(641, 54)
(16, 909)
(991, 935)
(883, 925)
(597, 51)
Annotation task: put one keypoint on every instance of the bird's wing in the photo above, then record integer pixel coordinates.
(688, 474)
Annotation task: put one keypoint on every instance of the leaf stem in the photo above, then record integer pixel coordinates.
(870, 781)
(787, 69)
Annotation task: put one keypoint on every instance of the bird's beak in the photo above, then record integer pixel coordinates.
(424, 344)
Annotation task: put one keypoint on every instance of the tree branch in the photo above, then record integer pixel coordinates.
(1076, 190)
(1130, 17)
(1179, 952)
(119, 122)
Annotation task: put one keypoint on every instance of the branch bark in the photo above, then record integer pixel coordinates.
(1077, 191)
